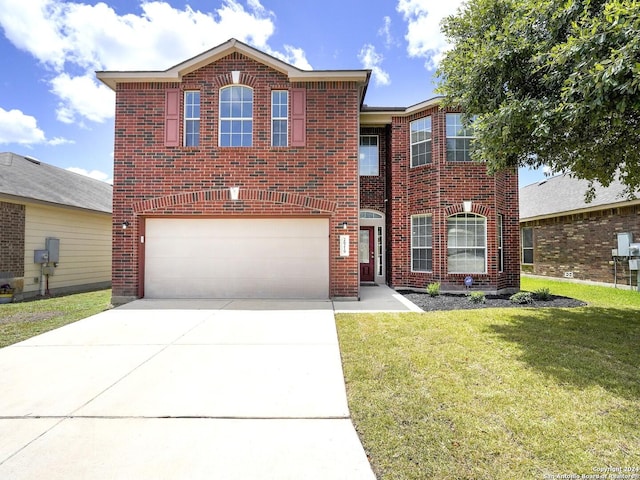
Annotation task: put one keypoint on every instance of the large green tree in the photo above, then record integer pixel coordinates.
(552, 82)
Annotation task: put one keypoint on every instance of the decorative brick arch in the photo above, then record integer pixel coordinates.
(226, 80)
(244, 194)
(476, 208)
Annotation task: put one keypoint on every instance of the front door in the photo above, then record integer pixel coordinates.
(366, 254)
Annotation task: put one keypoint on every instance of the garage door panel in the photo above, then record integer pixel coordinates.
(237, 258)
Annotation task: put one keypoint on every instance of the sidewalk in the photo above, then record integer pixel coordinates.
(376, 298)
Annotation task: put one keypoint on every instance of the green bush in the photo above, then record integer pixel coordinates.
(542, 294)
(521, 298)
(433, 289)
(477, 297)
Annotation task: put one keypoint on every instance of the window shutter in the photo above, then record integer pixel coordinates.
(298, 117)
(172, 118)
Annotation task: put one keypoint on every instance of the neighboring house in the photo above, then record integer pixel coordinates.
(565, 237)
(40, 202)
(239, 175)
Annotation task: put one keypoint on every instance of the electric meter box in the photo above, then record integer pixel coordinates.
(40, 256)
(53, 247)
(624, 240)
(633, 264)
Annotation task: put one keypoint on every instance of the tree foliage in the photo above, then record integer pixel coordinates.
(552, 82)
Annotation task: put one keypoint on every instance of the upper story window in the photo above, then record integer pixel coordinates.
(236, 116)
(459, 139)
(279, 118)
(527, 245)
(467, 243)
(368, 155)
(420, 141)
(191, 118)
(421, 243)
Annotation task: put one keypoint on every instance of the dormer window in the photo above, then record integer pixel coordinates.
(236, 116)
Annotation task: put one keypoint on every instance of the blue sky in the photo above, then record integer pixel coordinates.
(53, 108)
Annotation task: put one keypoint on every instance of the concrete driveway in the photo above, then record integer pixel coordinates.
(166, 389)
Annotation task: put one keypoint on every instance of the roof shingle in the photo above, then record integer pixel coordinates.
(34, 180)
(563, 194)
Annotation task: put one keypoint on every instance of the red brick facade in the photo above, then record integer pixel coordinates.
(12, 217)
(579, 245)
(438, 189)
(320, 178)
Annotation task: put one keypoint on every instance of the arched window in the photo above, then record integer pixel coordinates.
(467, 243)
(236, 116)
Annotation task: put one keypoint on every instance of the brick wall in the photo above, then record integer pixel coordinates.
(439, 189)
(319, 179)
(582, 244)
(373, 189)
(12, 217)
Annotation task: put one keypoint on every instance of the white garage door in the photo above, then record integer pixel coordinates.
(237, 258)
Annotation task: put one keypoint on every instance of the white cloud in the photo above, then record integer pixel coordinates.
(81, 96)
(369, 58)
(423, 17)
(75, 39)
(16, 127)
(291, 55)
(385, 32)
(96, 174)
(22, 129)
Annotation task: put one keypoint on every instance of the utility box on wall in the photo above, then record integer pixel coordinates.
(624, 240)
(53, 247)
(40, 256)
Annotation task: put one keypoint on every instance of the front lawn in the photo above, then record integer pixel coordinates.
(19, 321)
(498, 393)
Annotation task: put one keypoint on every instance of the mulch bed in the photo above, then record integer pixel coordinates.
(462, 302)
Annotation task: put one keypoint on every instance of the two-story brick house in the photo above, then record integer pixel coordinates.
(238, 175)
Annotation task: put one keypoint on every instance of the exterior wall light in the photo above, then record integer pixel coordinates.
(343, 225)
(125, 224)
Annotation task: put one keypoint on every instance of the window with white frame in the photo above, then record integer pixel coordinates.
(368, 155)
(527, 245)
(420, 141)
(467, 243)
(279, 118)
(459, 138)
(236, 116)
(500, 243)
(421, 243)
(191, 118)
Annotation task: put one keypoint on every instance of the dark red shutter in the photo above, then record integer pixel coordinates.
(172, 118)
(298, 117)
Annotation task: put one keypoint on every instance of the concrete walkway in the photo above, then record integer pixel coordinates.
(173, 389)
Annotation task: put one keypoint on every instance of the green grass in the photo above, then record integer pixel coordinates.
(498, 393)
(19, 321)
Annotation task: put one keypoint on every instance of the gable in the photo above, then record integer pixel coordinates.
(177, 72)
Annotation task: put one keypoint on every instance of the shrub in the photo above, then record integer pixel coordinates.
(477, 297)
(521, 298)
(542, 294)
(433, 289)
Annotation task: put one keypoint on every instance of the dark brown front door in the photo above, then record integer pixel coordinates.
(366, 254)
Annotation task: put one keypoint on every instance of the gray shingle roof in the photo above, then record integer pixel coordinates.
(563, 194)
(35, 180)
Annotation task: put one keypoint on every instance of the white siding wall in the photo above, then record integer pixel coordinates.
(85, 246)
